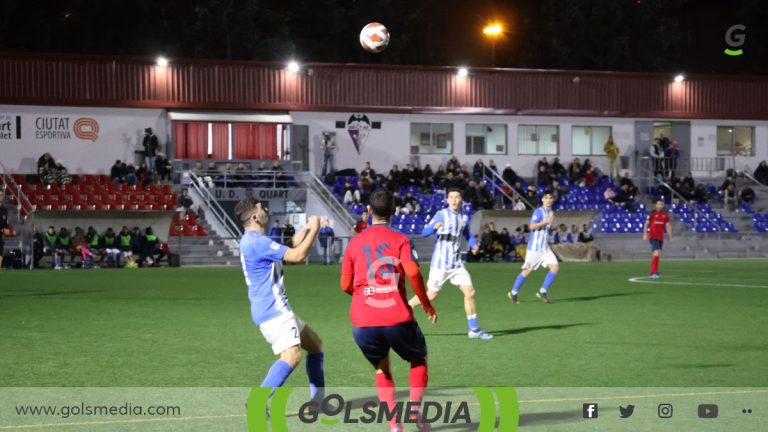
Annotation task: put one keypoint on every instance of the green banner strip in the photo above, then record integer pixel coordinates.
(509, 413)
(487, 409)
(257, 409)
(277, 411)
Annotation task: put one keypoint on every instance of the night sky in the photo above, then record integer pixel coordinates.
(629, 35)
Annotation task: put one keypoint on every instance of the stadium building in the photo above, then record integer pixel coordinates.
(89, 111)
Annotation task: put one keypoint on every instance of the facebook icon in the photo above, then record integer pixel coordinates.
(590, 411)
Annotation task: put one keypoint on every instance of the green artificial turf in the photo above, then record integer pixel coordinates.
(703, 324)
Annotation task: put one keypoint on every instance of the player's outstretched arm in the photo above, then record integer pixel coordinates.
(413, 272)
(433, 225)
(669, 231)
(299, 252)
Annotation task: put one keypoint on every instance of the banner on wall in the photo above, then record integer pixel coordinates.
(237, 194)
(89, 140)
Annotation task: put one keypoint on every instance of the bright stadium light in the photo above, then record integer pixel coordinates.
(679, 78)
(493, 30)
(162, 61)
(293, 66)
(463, 72)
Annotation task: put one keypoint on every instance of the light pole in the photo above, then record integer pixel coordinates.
(494, 32)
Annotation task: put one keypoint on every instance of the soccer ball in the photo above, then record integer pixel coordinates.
(374, 37)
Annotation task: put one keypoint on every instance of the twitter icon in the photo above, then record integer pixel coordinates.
(626, 412)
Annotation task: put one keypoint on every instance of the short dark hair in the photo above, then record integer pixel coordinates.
(245, 208)
(546, 192)
(452, 189)
(382, 203)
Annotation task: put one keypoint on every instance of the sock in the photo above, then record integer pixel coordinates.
(277, 374)
(316, 374)
(548, 281)
(418, 379)
(655, 265)
(518, 283)
(385, 388)
(472, 321)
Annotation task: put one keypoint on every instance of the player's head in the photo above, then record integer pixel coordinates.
(382, 204)
(660, 205)
(454, 199)
(547, 199)
(252, 213)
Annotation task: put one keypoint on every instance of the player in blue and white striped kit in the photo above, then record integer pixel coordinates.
(450, 225)
(538, 252)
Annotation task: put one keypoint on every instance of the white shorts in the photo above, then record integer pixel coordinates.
(534, 260)
(282, 332)
(438, 278)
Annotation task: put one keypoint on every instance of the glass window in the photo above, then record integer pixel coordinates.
(488, 139)
(589, 140)
(431, 138)
(735, 141)
(538, 140)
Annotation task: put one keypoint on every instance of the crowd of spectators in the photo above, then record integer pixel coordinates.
(91, 249)
(122, 173)
(240, 174)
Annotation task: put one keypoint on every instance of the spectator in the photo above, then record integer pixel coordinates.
(50, 241)
(153, 250)
(45, 165)
(408, 176)
(3, 223)
(685, 189)
(486, 250)
(590, 178)
(565, 236)
(557, 191)
(509, 175)
(747, 195)
(573, 236)
(470, 194)
(492, 168)
(543, 162)
(37, 247)
(276, 232)
(362, 224)
(657, 157)
(554, 236)
(671, 154)
(184, 203)
(586, 236)
(519, 205)
(328, 146)
(628, 181)
(325, 239)
(429, 179)
(117, 172)
(93, 241)
(575, 173)
(143, 174)
(543, 178)
(478, 170)
(399, 204)
(761, 173)
(625, 197)
(60, 174)
(163, 168)
(486, 198)
(151, 146)
(411, 203)
(730, 197)
(138, 246)
(612, 151)
(368, 172)
(203, 178)
(240, 177)
(688, 181)
(288, 232)
(505, 242)
(609, 194)
(351, 195)
(130, 174)
(700, 194)
(396, 174)
(558, 170)
(279, 175)
(530, 196)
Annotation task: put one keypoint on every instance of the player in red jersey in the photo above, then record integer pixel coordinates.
(373, 273)
(654, 228)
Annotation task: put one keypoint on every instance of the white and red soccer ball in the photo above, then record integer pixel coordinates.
(374, 37)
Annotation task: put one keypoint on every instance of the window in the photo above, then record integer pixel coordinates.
(431, 138)
(487, 139)
(538, 140)
(589, 140)
(735, 141)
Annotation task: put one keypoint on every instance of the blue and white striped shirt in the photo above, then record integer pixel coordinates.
(448, 239)
(539, 236)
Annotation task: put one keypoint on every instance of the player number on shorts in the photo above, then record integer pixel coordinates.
(295, 332)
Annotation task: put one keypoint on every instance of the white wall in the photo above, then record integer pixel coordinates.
(120, 133)
(391, 143)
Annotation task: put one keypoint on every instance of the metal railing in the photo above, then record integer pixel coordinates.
(340, 213)
(712, 166)
(751, 177)
(691, 205)
(214, 213)
(498, 187)
(244, 179)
